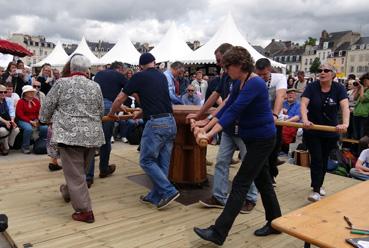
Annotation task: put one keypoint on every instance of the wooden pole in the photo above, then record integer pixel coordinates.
(117, 118)
(201, 139)
(323, 128)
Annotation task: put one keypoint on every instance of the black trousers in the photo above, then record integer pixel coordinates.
(319, 149)
(273, 157)
(255, 168)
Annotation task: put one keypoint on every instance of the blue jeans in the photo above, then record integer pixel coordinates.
(228, 145)
(27, 133)
(156, 148)
(356, 174)
(125, 126)
(106, 148)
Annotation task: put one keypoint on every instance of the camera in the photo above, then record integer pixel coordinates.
(356, 84)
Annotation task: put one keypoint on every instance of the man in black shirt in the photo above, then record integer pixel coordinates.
(111, 82)
(151, 88)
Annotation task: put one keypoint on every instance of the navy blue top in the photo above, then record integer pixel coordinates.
(224, 86)
(251, 109)
(111, 83)
(323, 106)
(152, 87)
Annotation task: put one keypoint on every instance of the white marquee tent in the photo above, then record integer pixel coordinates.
(58, 57)
(227, 33)
(123, 51)
(172, 47)
(85, 50)
(5, 59)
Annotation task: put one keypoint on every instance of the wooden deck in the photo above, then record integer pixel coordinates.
(38, 217)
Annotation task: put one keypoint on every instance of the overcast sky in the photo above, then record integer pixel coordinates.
(147, 21)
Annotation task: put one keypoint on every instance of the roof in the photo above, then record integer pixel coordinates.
(362, 40)
(290, 52)
(172, 47)
(58, 57)
(337, 35)
(227, 32)
(85, 50)
(260, 49)
(123, 51)
(343, 47)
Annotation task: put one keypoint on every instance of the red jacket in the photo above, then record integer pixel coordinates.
(25, 113)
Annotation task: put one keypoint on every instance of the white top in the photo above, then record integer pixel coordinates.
(278, 80)
(364, 157)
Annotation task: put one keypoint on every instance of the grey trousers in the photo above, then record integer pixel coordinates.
(75, 161)
(8, 140)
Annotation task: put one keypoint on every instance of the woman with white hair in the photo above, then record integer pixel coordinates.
(75, 105)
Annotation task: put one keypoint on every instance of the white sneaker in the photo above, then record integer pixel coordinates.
(314, 197)
(322, 191)
(112, 139)
(124, 140)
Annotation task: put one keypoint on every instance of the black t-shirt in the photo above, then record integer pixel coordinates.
(324, 106)
(45, 87)
(111, 83)
(152, 88)
(224, 86)
(213, 85)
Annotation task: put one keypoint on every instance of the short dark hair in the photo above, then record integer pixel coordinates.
(351, 76)
(116, 65)
(223, 48)
(177, 65)
(262, 63)
(238, 55)
(19, 61)
(300, 72)
(365, 76)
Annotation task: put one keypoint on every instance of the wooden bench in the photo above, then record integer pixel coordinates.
(322, 223)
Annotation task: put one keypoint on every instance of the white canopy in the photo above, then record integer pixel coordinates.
(172, 47)
(85, 50)
(123, 51)
(58, 57)
(5, 59)
(227, 33)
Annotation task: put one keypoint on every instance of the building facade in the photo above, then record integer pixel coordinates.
(36, 44)
(358, 57)
(291, 58)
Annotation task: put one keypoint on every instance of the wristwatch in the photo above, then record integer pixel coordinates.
(210, 117)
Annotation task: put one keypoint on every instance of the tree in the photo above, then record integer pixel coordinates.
(310, 41)
(315, 66)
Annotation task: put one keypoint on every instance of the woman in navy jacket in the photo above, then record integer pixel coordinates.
(248, 109)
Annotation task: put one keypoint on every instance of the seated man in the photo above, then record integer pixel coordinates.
(361, 170)
(290, 112)
(191, 98)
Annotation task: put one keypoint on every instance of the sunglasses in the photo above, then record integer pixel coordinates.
(324, 70)
(3, 92)
(37, 86)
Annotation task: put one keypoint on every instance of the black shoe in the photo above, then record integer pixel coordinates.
(144, 200)
(89, 182)
(54, 167)
(266, 230)
(165, 202)
(109, 172)
(208, 234)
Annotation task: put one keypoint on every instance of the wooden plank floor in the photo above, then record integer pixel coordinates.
(29, 195)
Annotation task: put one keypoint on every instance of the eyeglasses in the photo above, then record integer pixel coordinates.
(324, 70)
(3, 92)
(37, 86)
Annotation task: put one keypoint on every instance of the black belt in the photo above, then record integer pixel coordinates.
(160, 116)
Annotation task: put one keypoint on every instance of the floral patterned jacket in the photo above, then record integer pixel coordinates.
(75, 107)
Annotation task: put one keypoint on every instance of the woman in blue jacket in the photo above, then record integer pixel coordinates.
(248, 110)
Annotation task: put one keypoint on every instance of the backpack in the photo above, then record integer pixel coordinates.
(134, 134)
(39, 147)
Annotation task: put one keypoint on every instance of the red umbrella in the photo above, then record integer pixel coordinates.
(8, 47)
